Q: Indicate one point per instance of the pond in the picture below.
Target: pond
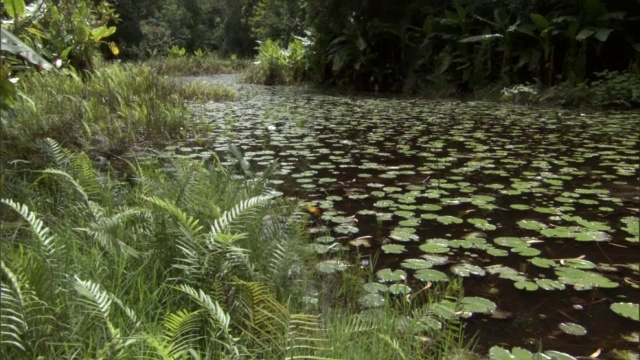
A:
(536, 208)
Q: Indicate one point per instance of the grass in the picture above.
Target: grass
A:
(193, 65)
(166, 258)
(117, 109)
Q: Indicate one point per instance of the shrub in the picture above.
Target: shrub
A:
(276, 65)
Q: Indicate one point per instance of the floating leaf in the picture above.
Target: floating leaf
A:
(331, 266)
(531, 225)
(481, 224)
(498, 353)
(447, 220)
(391, 275)
(416, 264)
(526, 285)
(399, 289)
(478, 304)
(466, 269)
(543, 263)
(374, 287)
(393, 249)
(548, 284)
(573, 329)
(557, 355)
(628, 310)
(372, 300)
(430, 275)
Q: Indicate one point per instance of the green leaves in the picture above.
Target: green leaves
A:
(14, 8)
(628, 310)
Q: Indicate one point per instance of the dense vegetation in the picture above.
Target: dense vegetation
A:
(406, 45)
(113, 249)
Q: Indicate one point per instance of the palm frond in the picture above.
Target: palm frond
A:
(45, 237)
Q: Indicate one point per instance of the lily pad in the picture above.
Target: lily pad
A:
(448, 219)
(331, 266)
(389, 275)
(416, 264)
(372, 300)
(517, 353)
(466, 269)
(393, 249)
(628, 310)
(573, 329)
(531, 225)
(374, 287)
(478, 304)
(399, 289)
(525, 285)
(430, 275)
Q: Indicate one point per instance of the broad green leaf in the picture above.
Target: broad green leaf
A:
(540, 21)
(628, 310)
(15, 8)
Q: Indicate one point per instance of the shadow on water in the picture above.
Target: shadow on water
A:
(538, 192)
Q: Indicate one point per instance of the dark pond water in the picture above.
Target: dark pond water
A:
(536, 208)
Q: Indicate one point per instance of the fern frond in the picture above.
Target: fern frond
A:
(217, 313)
(12, 313)
(76, 186)
(394, 344)
(131, 314)
(24, 318)
(60, 155)
(45, 238)
(86, 175)
(182, 330)
(306, 337)
(105, 228)
(188, 223)
(221, 224)
(95, 299)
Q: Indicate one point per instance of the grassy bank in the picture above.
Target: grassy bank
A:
(114, 110)
(167, 258)
(197, 65)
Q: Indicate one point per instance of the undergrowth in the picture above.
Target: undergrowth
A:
(208, 64)
(167, 258)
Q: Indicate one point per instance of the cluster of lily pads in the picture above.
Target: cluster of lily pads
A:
(545, 201)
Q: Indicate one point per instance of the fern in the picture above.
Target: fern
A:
(221, 224)
(80, 171)
(219, 317)
(12, 312)
(24, 318)
(104, 229)
(188, 223)
(58, 153)
(182, 331)
(76, 186)
(95, 299)
(45, 238)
